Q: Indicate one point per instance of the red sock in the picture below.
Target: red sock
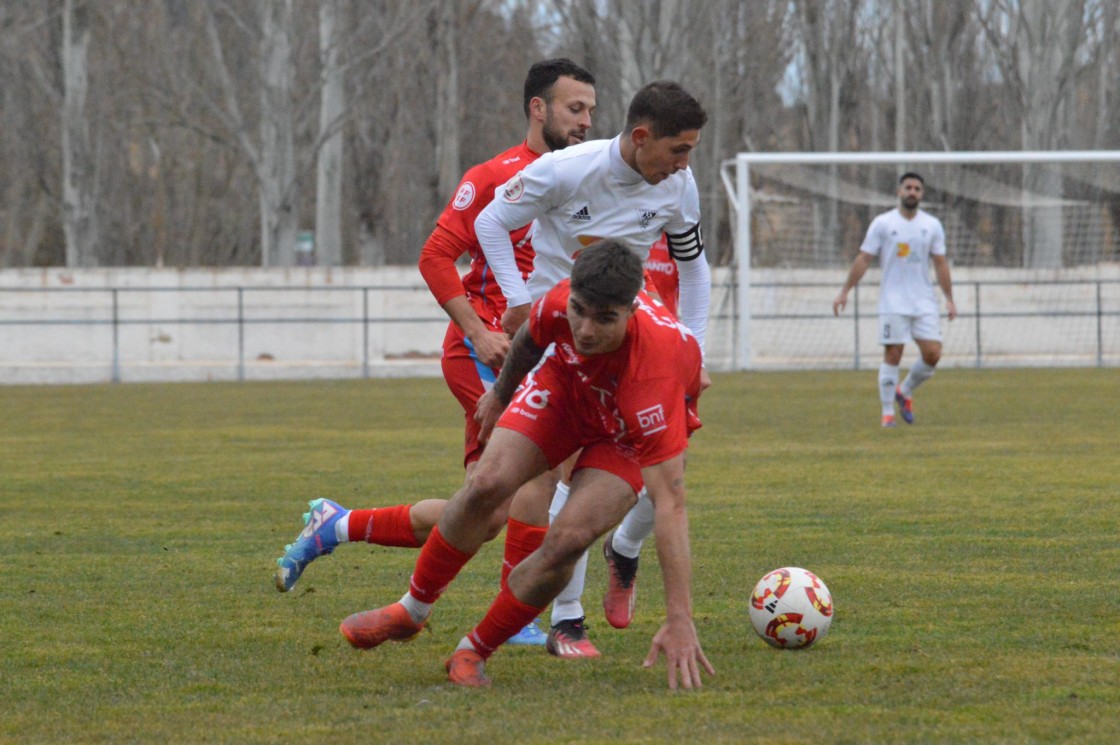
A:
(522, 539)
(385, 526)
(506, 617)
(439, 562)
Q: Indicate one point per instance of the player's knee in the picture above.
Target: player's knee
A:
(486, 491)
(564, 545)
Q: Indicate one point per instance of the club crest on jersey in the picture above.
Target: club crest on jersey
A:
(582, 214)
(514, 189)
(464, 196)
(644, 217)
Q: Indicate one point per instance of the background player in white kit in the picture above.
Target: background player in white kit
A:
(906, 240)
(630, 189)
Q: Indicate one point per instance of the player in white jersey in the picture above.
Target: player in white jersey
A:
(906, 240)
(630, 189)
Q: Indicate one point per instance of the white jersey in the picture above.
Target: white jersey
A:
(904, 248)
(584, 193)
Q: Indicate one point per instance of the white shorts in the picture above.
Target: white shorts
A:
(899, 329)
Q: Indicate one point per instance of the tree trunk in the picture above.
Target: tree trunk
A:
(899, 79)
(277, 152)
(328, 192)
(447, 102)
(1045, 58)
(78, 170)
(1107, 62)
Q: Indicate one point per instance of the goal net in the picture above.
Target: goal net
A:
(1033, 240)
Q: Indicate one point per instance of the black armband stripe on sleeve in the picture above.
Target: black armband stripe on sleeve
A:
(687, 245)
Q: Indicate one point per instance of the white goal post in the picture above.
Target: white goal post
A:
(1009, 216)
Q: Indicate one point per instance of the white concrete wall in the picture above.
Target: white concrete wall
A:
(1025, 319)
(56, 325)
(72, 337)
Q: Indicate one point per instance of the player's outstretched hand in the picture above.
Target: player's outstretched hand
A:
(491, 348)
(683, 654)
(486, 413)
(839, 303)
(514, 317)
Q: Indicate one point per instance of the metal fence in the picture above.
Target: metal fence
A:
(1000, 323)
(349, 329)
(53, 334)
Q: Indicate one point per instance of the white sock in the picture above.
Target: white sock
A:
(567, 604)
(342, 528)
(466, 643)
(559, 499)
(888, 381)
(635, 527)
(417, 609)
(919, 373)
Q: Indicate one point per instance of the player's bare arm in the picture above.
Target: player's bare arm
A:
(489, 346)
(677, 637)
(515, 317)
(945, 281)
(705, 379)
(855, 274)
(523, 356)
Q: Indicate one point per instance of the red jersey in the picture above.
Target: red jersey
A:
(454, 235)
(637, 394)
(661, 267)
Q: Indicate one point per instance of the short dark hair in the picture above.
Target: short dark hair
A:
(607, 274)
(667, 108)
(544, 74)
(911, 174)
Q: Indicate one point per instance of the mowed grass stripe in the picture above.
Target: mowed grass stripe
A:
(972, 557)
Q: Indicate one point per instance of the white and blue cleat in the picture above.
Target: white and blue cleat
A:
(317, 539)
(530, 636)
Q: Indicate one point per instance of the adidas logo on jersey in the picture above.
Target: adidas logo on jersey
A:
(644, 216)
(582, 215)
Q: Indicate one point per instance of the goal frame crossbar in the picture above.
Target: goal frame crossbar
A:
(735, 174)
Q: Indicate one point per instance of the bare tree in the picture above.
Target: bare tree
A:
(185, 133)
(1106, 27)
(1036, 44)
(30, 135)
(444, 32)
(328, 191)
(831, 53)
(79, 168)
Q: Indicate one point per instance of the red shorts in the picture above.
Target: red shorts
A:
(560, 422)
(468, 379)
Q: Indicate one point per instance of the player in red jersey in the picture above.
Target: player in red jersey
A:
(621, 548)
(613, 388)
(661, 267)
(559, 97)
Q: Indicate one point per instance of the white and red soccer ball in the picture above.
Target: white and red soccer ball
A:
(791, 608)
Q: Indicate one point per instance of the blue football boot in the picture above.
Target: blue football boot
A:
(531, 635)
(317, 539)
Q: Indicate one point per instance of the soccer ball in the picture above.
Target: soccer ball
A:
(791, 608)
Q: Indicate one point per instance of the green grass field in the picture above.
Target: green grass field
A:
(974, 560)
